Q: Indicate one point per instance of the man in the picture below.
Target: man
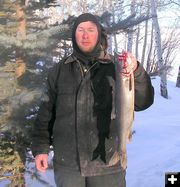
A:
(84, 135)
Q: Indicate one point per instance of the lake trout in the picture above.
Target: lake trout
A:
(124, 106)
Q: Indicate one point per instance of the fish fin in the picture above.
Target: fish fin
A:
(122, 157)
(130, 134)
(114, 159)
(123, 160)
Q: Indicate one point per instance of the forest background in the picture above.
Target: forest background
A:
(36, 34)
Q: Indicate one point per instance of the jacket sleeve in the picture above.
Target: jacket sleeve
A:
(144, 91)
(40, 136)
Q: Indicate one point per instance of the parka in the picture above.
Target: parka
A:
(79, 97)
(75, 132)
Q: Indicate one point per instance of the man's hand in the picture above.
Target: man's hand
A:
(133, 61)
(41, 162)
(129, 63)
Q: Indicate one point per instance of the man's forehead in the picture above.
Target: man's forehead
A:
(87, 23)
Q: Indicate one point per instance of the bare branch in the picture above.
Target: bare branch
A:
(178, 4)
(130, 21)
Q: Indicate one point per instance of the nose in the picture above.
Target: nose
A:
(85, 34)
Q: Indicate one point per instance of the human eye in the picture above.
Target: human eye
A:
(79, 29)
(91, 29)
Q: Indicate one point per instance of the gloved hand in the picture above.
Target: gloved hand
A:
(129, 63)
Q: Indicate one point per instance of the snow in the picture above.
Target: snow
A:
(154, 149)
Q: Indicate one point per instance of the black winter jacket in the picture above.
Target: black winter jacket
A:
(75, 128)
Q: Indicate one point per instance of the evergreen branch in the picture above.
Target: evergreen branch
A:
(12, 177)
(35, 40)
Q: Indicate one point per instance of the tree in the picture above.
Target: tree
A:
(21, 34)
(17, 99)
(163, 75)
(150, 65)
(178, 79)
(145, 35)
(130, 32)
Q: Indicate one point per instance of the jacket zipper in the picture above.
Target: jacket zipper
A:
(83, 71)
(76, 135)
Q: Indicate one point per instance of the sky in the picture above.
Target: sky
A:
(155, 146)
(169, 16)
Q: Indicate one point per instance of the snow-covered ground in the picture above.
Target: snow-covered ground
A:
(154, 149)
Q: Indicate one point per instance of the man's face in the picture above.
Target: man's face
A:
(86, 36)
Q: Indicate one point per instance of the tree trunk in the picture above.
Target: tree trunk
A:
(138, 35)
(137, 42)
(130, 33)
(21, 33)
(110, 42)
(145, 38)
(149, 60)
(163, 75)
(178, 79)
(114, 35)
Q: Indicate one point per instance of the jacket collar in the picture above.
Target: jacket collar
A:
(70, 59)
(104, 59)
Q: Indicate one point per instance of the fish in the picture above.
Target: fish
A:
(124, 107)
